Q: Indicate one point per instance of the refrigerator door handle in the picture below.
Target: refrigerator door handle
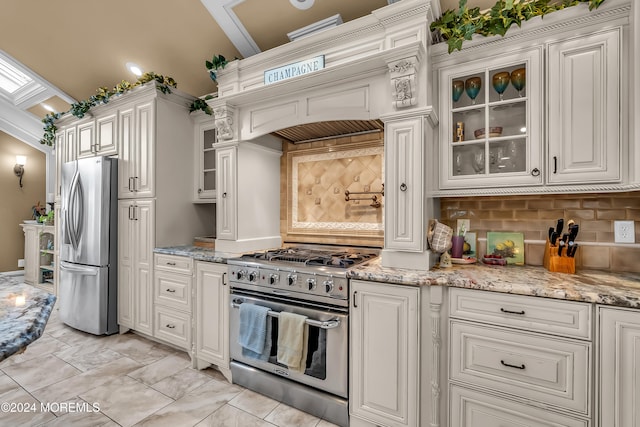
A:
(87, 271)
(80, 220)
(70, 220)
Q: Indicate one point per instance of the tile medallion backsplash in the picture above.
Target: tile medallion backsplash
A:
(317, 176)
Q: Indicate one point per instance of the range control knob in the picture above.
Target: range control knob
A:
(328, 285)
(292, 278)
(241, 274)
(253, 276)
(274, 278)
(311, 283)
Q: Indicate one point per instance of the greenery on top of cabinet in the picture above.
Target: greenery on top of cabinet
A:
(456, 26)
(102, 96)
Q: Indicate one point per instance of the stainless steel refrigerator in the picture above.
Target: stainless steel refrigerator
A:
(87, 284)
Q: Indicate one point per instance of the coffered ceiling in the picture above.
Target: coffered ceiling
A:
(68, 48)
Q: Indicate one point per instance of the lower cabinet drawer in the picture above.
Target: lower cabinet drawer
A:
(173, 326)
(552, 371)
(469, 408)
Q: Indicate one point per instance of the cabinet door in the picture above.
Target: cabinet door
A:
(126, 251)
(107, 141)
(31, 258)
(206, 163)
(212, 314)
(584, 109)
(619, 334)
(226, 210)
(491, 125)
(126, 154)
(86, 139)
(404, 157)
(384, 354)
(144, 160)
(143, 233)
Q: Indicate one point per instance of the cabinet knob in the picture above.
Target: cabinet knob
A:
(199, 190)
(535, 172)
(403, 187)
(224, 195)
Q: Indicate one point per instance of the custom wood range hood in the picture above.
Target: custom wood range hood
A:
(368, 75)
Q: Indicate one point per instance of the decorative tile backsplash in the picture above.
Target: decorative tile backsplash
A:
(533, 215)
(317, 175)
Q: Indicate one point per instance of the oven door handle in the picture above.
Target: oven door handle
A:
(322, 324)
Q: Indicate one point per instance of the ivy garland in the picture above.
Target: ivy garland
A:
(456, 26)
(102, 96)
(201, 104)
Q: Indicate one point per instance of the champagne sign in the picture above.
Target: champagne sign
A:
(296, 69)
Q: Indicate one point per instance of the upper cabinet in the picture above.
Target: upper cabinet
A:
(539, 110)
(584, 109)
(491, 127)
(205, 158)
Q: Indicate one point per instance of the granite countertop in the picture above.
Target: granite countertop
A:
(24, 312)
(197, 253)
(602, 287)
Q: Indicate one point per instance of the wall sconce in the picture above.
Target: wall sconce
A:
(18, 169)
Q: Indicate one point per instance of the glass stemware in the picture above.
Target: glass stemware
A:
(478, 162)
(518, 79)
(457, 87)
(472, 85)
(500, 82)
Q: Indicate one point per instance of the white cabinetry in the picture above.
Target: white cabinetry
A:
(619, 370)
(212, 317)
(247, 184)
(226, 206)
(137, 145)
(173, 282)
(407, 141)
(584, 108)
(566, 130)
(520, 352)
(39, 256)
(136, 240)
(384, 354)
(85, 131)
(503, 95)
(205, 158)
(98, 137)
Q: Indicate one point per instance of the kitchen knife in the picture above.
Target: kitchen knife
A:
(571, 251)
(551, 233)
(573, 232)
(559, 226)
(562, 243)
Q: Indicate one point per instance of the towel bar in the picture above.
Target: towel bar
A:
(322, 324)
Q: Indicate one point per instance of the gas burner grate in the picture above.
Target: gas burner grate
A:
(312, 257)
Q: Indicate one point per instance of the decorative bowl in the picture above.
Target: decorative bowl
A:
(493, 132)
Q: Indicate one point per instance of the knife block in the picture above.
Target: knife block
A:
(555, 263)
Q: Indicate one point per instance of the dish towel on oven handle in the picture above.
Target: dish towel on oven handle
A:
(292, 340)
(253, 330)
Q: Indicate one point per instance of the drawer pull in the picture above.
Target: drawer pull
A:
(171, 290)
(521, 313)
(170, 326)
(512, 366)
(171, 263)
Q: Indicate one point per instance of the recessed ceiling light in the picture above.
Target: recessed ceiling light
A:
(302, 4)
(47, 107)
(134, 68)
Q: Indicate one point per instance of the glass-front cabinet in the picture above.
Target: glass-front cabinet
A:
(491, 129)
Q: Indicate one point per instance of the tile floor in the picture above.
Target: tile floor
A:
(70, 378)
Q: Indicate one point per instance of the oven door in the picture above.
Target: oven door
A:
(327, 344)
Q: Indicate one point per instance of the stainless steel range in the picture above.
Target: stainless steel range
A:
(311, 282)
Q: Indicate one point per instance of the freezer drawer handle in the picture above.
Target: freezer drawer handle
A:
(508, 365)
(322, 324)
(76, 269)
